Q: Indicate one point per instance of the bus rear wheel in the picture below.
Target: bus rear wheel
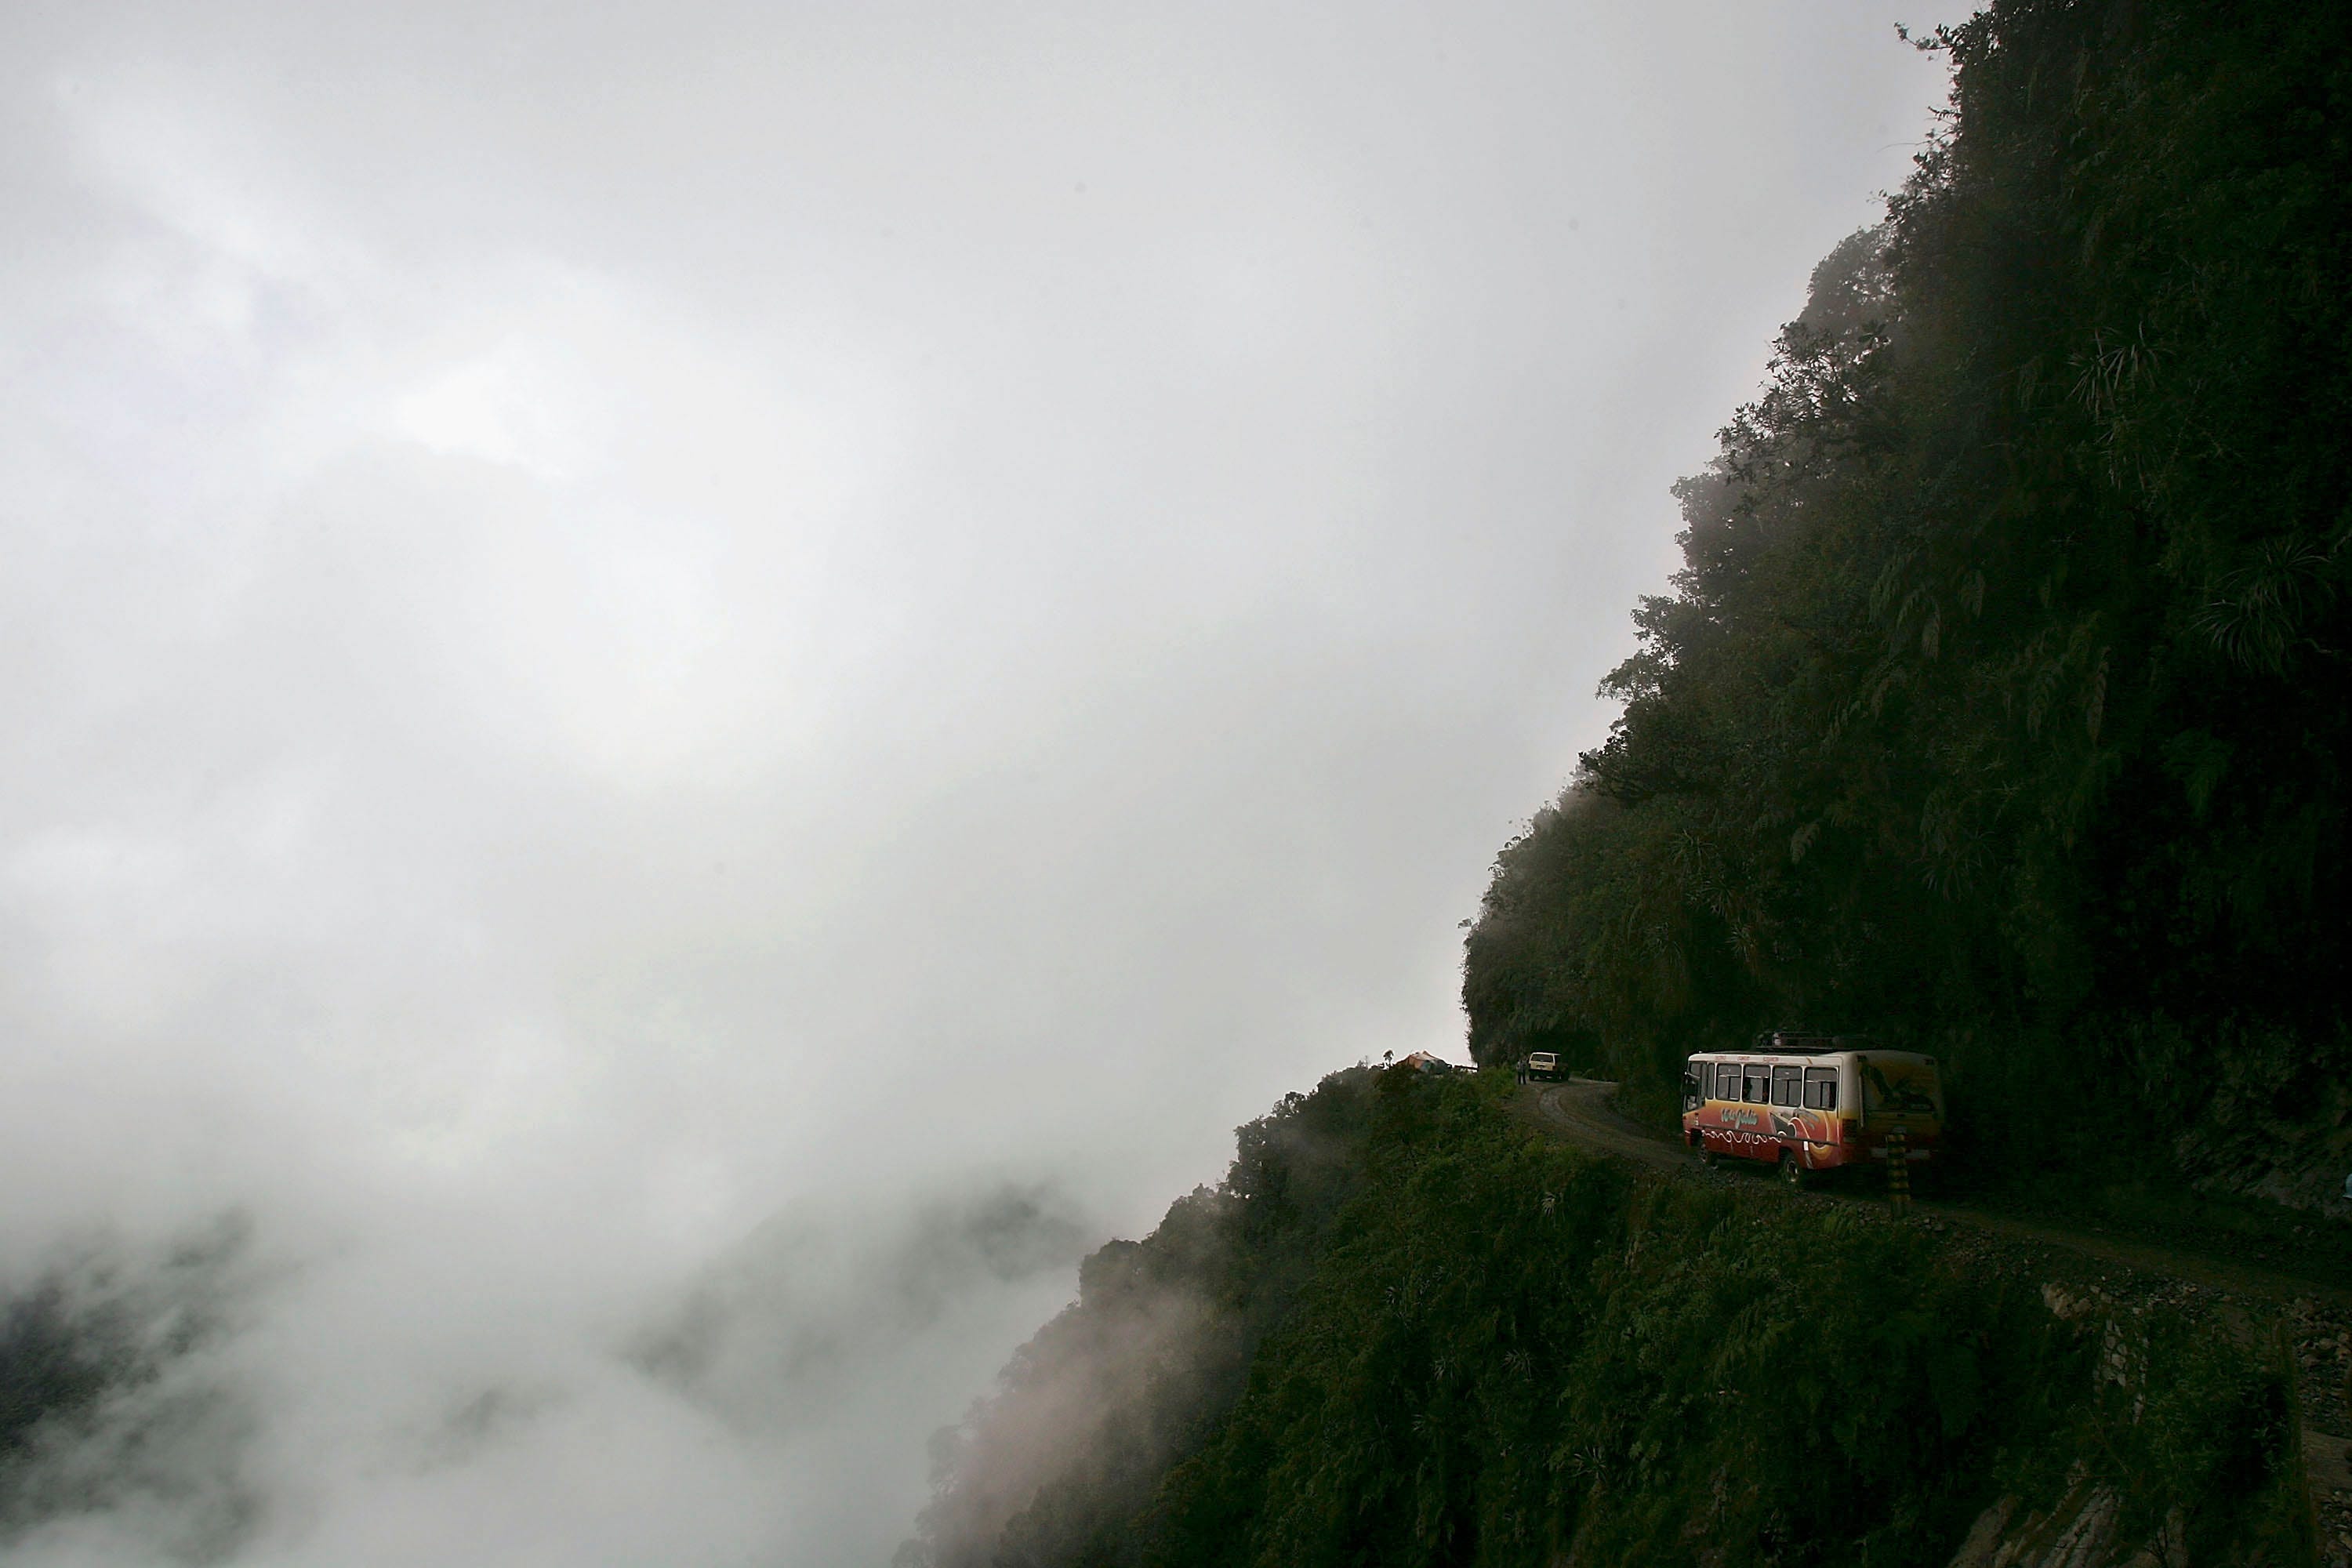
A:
(1791, 1172)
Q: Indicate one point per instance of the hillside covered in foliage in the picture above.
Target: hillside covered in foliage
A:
(1405, 1330)
(1998, 709)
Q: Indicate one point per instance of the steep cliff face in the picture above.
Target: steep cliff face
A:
(1989, 713)
(1131, 1379)
(1472, 1345)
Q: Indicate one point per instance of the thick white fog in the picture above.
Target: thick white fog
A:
(693, 688)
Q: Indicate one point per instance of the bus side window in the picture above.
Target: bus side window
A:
(1787, 1085)
(1820, 1089)
(1759, 1084)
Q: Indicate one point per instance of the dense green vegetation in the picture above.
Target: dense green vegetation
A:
(1991, 710)
(1491, 1348)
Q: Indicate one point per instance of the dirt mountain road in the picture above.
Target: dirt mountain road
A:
(1582, 1111)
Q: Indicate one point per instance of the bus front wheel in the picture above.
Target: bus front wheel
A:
(1706, 1152)
(1791, 1172)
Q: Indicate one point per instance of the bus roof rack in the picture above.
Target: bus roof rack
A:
(1805, 1043)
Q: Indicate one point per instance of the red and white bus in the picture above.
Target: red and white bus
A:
(1811, 1102)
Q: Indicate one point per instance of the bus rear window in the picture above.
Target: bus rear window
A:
(1908, 1088)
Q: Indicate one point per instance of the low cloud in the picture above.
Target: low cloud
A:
(207, 1403)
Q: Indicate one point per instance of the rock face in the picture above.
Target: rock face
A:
(1984, 1536)
(2320, 1345)
(2082, 1528)
(2078, 1532)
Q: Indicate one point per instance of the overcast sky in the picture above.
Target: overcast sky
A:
(631, 627)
